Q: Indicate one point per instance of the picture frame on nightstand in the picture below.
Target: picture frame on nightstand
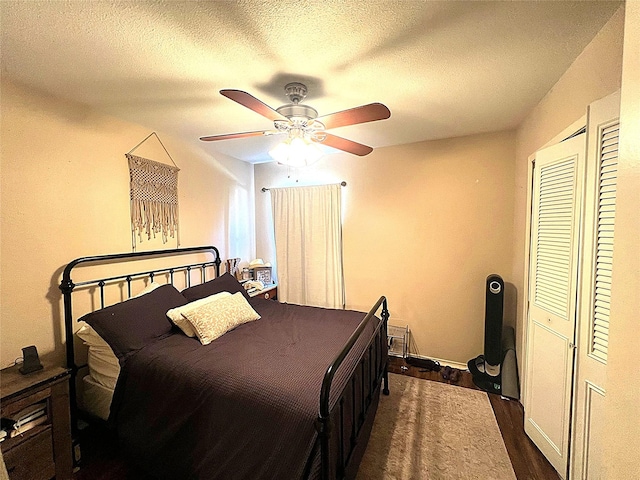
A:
(262, 274)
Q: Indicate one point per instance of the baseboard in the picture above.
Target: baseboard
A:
(444, 363)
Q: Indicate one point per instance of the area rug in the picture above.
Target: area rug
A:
(431, 430)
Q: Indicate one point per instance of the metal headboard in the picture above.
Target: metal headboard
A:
(67, 287)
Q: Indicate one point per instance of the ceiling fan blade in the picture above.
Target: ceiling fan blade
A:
(229, 136)
(346, 145)
(252, 103)
(353, 116)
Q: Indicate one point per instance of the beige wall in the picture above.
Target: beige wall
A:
(622, 426)
(424, 224)
(594, 74)
(65, 194)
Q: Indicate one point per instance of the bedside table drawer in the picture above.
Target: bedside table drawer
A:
(25, 401)
(270, 292)
(33, 459)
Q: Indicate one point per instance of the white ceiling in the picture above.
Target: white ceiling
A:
(444, 68)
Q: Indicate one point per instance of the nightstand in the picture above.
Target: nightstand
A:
(269, 292)
(43, 451)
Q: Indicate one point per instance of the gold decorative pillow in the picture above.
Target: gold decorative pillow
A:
(214, 319)
(180, 320)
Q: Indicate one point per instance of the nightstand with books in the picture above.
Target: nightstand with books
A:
(35, 427)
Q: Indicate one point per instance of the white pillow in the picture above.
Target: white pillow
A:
(177, 315)
(214, 319)
(90, 337)
(104, 367)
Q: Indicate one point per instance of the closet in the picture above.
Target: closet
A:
(571, 251)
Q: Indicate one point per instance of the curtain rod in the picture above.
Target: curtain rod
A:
(343, 183)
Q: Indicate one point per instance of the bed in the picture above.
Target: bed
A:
(287, 391)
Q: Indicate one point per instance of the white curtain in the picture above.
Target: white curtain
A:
(308, 234)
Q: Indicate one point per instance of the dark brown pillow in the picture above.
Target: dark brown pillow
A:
(223, 283)
(130, 325)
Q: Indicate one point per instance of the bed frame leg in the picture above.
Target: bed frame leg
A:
(385, 380)
(385, 374)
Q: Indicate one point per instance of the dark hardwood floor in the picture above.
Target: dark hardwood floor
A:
(103, 459)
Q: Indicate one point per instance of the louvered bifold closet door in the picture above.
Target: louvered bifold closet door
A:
(595, 293)
(553, 272)
(554, 237)
(608, 173)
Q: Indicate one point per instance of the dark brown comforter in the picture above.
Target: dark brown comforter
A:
(242, 407)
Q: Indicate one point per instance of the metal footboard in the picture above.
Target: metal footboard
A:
(371, 368)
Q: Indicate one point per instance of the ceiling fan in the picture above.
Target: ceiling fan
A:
(301, 122)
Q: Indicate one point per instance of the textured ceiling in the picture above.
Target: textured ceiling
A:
(444, 69)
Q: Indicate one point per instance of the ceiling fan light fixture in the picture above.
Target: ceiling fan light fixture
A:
(280, 152)
(297, 148)
(296, 152)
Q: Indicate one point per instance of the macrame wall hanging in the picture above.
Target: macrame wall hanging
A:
(154, 197)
